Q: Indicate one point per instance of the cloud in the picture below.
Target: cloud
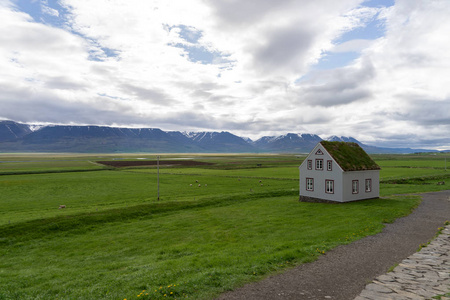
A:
(247, 66)
(64, 83)
(154, 96)
(339, 86)
(284, 48)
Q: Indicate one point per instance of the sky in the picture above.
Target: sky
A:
(375, 70)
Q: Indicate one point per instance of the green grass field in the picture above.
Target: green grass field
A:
(114, 240)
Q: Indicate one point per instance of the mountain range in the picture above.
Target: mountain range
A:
(17, 137)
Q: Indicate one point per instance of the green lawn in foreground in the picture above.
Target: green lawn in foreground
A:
(114, 239)
(203, 251)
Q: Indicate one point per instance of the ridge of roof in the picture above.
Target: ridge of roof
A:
(350, 156)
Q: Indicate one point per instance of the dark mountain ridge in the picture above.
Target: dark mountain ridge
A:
(10, 131)
(16, 137)
(290, 142)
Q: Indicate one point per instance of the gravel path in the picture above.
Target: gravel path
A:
(344, 272)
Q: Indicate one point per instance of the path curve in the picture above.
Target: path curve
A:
(344, 271)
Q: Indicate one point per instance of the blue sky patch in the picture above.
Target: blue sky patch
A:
(378, 3)
(333, 60)
(190, 34)
(48, 12)
(373, 29)
(197, 53)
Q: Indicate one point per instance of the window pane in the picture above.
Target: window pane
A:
(319, 164)
(309, 184)
(329, 186)
(355, 186)
(368, 185)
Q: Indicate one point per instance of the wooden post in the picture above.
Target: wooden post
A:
(157, 165)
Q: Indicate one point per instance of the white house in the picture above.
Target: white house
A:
(338, 171)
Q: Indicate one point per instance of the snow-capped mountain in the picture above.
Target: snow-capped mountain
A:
(10, 130)
(291, 142)
(16, 137)
(219, 141)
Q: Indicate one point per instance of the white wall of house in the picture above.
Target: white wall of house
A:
(349, 194)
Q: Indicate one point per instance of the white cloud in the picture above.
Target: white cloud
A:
(134, 63)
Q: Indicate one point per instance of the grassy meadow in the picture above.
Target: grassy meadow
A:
(114, 240)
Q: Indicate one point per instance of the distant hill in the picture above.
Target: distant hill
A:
(10, 131)
(16, 137)
(290, 142)
(374, 149)
(220, 141)
(101, 139)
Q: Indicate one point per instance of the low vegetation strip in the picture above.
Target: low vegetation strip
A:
(417, 179)
(140, 163)
(28, 172)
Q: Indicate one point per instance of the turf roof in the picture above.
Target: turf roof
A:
(350, 156)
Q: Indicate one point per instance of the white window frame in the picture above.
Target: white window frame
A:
(309, 164)
(355, 186)
(368, 185)
(319, 164)
(329, 165)
(329, 186)
(310, 184)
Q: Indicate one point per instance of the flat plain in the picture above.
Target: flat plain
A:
(215, 227)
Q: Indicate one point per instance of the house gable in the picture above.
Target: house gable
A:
(320, 153)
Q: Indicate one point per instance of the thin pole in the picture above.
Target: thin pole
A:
(157, 164)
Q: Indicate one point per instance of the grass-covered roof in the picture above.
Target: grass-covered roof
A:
(350, 156)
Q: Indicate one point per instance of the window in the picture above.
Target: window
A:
(368, 185)
(319, 164)
(355, 185)
(310, 184)
(329, 186)
(329, 165)
(319, 152)
(309, 164)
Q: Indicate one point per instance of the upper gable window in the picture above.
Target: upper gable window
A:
(309, 164)
(329, 165)
(319, 152)
(319, 164)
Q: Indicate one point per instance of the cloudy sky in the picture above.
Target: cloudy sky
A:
(377, 70)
